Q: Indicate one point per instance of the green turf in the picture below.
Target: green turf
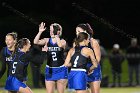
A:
(103, 90)
(107, 70)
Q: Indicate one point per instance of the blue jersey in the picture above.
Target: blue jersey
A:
(55, 54)
(78, 60)
(17, 71)
(55, 60)
(6, 58)
(18, 67)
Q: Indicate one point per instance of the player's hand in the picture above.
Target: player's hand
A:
(42, 27)
(91, 69)
(90, 72)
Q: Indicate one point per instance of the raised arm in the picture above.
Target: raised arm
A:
(42, 28)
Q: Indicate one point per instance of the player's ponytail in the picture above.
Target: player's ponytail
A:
(76, 42)
(20, 44)
(81, 37)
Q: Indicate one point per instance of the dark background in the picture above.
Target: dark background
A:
(123, 14)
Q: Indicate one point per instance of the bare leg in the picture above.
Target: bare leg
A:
(61, 85)
(50, 86)
(81, 91)
(88, 90)
(95, 86)
(25, 90)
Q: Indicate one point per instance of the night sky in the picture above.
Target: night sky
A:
(122, 14)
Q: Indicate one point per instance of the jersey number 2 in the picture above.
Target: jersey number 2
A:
(54, 56)
(14, 67)
(75, 61)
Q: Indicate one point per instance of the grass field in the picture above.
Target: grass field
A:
(103, 90)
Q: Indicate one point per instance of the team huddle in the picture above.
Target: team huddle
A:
(80, 67)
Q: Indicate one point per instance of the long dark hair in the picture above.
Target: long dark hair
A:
(81, 36)
(86, 27)
(20, 44)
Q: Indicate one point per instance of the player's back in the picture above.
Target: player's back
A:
(55, 54)
(78, 59)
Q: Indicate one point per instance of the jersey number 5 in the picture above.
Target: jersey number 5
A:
(54, 56)
(14, 67)
(75, 61)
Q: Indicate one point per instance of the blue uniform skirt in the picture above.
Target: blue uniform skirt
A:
(96, 75)
(77, 79)
(56, 73)
(13, 84)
